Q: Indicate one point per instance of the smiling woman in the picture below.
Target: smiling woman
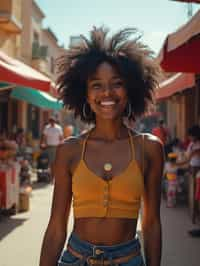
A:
(106, 93)
(111, 168)
(131, 60)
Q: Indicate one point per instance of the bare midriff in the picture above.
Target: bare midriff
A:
(105, 231)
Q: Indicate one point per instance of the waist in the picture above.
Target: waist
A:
(114, 251)
(110, 231)
(52, 146)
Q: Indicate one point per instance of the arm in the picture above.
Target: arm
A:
(195, 153)
(61, 136)
(151, 224)
(43, 141)
(55, 235)
(189, 157)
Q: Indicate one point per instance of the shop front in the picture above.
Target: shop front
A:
(23, 96)
(178, 92)
(180, 53)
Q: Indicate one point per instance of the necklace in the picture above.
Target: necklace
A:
(107, 167)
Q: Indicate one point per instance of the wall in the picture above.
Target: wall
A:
(26, 43)
(9, 43)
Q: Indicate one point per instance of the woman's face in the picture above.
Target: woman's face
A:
(106, 93)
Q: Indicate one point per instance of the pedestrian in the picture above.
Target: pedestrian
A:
(193, 155)
(68, 131)
(111, 168)
(193, 149)
(161, 132)
(52, 136)
(170, 171)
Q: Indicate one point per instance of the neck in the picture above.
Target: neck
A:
(110, 130)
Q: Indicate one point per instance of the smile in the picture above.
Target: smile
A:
(107, 103)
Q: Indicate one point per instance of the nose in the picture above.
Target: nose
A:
(107, 90)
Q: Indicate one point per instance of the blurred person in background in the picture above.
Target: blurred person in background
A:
(193, 149)
(192, 160)
(68, 131)
(193, 154)
(170, 171)
(52, 136)
(161, 132)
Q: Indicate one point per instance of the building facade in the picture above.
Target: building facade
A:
(22, 37)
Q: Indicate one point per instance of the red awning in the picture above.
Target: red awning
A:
(174, 84)
(14, 71)
(188, 1)
(180, 52)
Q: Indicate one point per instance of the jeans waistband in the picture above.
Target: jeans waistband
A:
(114, 251)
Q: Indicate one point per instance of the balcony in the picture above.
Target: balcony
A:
(39, 58)
(10, 16)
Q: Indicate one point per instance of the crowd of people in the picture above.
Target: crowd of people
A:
(182, 158)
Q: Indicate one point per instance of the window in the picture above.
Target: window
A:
(52, 64)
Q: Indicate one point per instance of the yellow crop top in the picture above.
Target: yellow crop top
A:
(119, 197)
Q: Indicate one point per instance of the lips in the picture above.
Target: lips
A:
(107, 102)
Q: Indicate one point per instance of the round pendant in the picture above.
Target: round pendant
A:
(107, 167)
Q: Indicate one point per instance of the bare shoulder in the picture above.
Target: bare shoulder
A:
(71, 145)
(153, 146)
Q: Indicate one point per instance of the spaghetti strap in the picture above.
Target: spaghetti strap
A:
(84, 146)
(132, 145)
(143, 154)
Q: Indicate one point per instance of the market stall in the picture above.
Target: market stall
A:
(9, 176)
(180, 53)
(14, 194)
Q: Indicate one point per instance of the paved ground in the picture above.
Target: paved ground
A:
(21, 235)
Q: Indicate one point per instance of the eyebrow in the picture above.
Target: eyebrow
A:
(98, 79)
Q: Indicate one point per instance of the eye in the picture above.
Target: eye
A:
(96, 86)
(118, 84)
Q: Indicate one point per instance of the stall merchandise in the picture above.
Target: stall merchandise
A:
(9, 185)
(9, 175)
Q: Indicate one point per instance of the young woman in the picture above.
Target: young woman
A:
(110, 169)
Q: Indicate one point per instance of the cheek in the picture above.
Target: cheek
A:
(123, 96)
(91, 94)
(91, 99)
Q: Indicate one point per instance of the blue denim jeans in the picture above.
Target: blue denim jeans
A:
(109, 252)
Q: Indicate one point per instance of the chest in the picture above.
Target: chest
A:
(118, 156)
(97, 154)
(52, 132)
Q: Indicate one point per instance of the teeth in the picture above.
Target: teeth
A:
(107, 103)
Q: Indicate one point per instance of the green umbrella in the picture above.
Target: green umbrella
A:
(37, 98)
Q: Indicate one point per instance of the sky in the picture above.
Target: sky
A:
(154, 19)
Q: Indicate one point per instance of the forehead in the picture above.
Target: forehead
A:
(105, 69)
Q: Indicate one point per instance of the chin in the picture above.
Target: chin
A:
(109, 116)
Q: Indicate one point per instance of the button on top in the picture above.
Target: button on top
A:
(106, 195)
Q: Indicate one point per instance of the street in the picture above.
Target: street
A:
(21, 235)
